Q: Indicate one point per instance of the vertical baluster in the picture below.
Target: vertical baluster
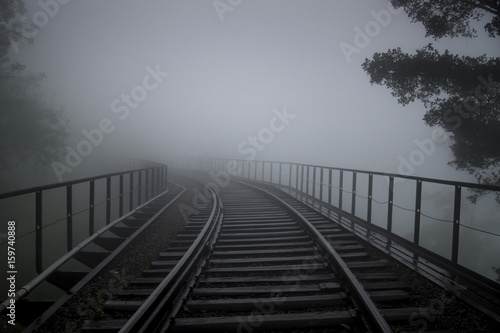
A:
(418, 206)
(314, 183)
(69, 217)
(131, 192)
(108, 200)
(302, 178)
(290, 175)
(353, 203)
(120, 204)
(456, 224)
(330, 184)
(389, 206)
(279, 173)
(166, 178)
(321, 185)
(271, 172)
(91, 206)
(146, 186)
(370, 194)
(139, 188)
(341, 189)
(39, 231)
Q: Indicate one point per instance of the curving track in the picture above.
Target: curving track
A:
(255, 259)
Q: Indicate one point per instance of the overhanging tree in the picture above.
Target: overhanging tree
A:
(32, 133)
(461, 93)
(453, 18)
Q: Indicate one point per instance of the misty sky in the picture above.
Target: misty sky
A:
(226, 76)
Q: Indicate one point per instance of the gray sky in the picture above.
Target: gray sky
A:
(226, 76)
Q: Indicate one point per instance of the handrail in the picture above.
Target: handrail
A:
(26, 289)
(318, 182)
(378, 173)
(70, 182)
(154, 178)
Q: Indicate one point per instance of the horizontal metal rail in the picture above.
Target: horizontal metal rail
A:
(74, 182)
(26, 289)
(315, 180)
(152, 180)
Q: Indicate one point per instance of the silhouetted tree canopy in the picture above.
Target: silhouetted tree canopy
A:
(452, 18)
(31, 132)
(461, 94)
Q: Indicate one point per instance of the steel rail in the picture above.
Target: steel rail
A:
(154, 309)
(373, 311)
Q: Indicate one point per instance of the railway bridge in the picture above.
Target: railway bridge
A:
(247, 246)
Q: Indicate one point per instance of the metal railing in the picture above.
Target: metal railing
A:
(353, 193)
(143, 184)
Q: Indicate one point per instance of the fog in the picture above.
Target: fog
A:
(255, 80)
(220, 73)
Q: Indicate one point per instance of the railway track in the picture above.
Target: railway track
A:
(269, 259)
(258, 260)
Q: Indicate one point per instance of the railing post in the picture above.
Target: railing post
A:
(389, 206)
(279, 174)
(39, 231)
(418, 205)
(120, 210)
(290, 175)
(155, 182)
(131, 191)
(314, 183)
(146, 187)
(69, 217)
(161, 181)
(321, 185)
(302, 178)
(456, 224)
(154, 179)
(91, 206)
(297, 176)
(262, 170)
(353, 203)
(271, 173)
(139, 189)
(370, 194)
(307, 179)
(165, 184)
(341, 185)
(108, 200)
(330, 184)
